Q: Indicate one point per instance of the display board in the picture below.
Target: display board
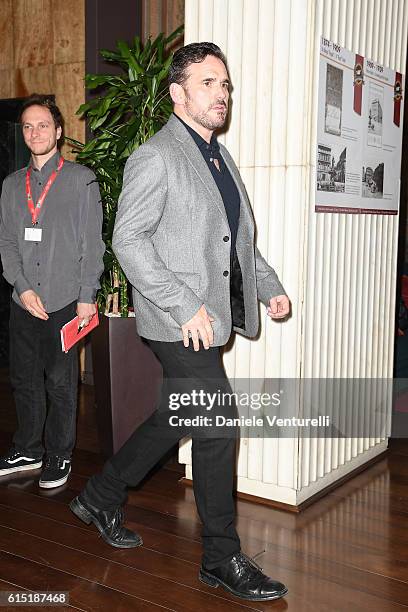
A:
(359, 134)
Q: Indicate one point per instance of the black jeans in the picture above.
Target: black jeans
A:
(39, 370)
(213, 458)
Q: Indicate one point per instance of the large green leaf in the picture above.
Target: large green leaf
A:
(174, 35)
(95, 80)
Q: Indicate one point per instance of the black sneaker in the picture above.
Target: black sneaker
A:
(55, 473)
(15, 461)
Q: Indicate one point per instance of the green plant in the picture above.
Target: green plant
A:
(129, 109)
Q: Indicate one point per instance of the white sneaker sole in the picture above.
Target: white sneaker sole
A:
(52, 484)
(21, 468)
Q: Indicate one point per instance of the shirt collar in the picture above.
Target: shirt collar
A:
(49, 166)
(212, 147)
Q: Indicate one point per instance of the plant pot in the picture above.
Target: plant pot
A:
(127, 379)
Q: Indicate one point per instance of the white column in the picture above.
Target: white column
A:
(272, 47)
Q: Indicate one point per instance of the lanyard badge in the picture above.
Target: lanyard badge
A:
(35, 209)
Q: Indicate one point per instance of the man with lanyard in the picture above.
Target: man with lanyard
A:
(52, 254)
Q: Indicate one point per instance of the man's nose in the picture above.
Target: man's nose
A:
(223, 93)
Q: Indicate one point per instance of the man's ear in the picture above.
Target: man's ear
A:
(59, 132)
(177, 93)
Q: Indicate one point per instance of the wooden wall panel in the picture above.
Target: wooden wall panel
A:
(37, 79)
(42, 50)
(7, 83)
(33, 36)
(70, 93)
(161, 16)
(6, 35)
(174, 15)
(69, 31)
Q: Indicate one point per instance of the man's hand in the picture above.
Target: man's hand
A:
(279, 307)
(33, 304)
(199, 327)
(85, 313)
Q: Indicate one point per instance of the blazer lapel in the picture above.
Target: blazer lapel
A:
(195, 159)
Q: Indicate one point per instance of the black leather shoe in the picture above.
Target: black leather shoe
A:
(108, 522)
(243, 578)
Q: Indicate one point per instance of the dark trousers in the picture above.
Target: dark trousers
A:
(213, 458)
(39, 370)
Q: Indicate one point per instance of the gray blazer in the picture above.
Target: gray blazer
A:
(169, 239)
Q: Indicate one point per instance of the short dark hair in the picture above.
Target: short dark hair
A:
(42, 100)
(193, 53)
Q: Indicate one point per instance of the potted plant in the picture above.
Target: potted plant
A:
(128, 108)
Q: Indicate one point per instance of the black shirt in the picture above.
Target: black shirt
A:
(223, 179)
(230, 196)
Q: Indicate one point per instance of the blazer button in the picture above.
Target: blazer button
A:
(225, 273)
(226, 238)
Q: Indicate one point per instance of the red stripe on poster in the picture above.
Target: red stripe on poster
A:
(397, 98)
(358, 83)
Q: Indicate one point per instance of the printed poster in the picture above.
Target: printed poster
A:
(359, 134)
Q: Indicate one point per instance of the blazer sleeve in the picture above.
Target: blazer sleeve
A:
(267, 281)
(140, 209)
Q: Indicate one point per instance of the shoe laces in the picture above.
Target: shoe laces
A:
(56, 461)
(115, 524)
(248, 563)
(13, 453)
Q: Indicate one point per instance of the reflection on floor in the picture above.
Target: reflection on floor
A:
(346, 553)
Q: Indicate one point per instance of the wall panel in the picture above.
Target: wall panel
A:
(42, 51)
(69, 31)
(39, 79)
(6, 83)
(6, 35)
(69, 90)
(33, 29)
(161, 16)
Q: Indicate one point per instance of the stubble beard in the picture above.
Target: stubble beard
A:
(46, 148)
(203, 118)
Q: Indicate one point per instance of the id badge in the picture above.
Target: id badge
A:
(34, 234)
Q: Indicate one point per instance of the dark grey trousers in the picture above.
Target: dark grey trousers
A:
(44, 381)
(213, 458)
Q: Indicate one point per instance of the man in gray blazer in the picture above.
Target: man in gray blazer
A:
(184, 236)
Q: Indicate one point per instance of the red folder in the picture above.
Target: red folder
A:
(70, 334)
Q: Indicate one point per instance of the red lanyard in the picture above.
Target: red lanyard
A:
(35, 210)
